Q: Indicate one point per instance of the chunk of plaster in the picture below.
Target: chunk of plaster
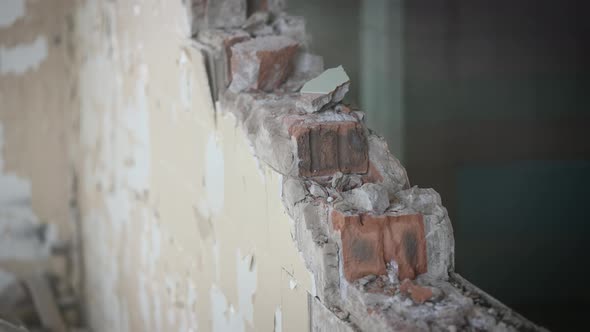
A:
(326, 90)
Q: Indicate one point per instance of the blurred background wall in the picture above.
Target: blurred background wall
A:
(486, 102)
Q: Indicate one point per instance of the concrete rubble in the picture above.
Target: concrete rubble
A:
(381, 252)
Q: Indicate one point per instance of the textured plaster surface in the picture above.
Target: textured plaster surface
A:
(183, 228)
(38, 95)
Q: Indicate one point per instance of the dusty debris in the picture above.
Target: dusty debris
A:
(370, 197)
(418, 293)
(318, 191)
(324, 91)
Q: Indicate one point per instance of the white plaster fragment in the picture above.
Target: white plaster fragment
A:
(10, 11)
(19, 59)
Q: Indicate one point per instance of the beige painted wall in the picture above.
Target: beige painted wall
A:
(183, 229)
(37, 99)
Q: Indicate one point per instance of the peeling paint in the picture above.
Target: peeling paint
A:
(10, 11)
(13, 189)
(246, 269)
(19, 59)
(214, 175)
(224, 316)
(154, 166)
(278, 320)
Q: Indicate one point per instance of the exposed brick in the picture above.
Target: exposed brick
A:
(418, 293)
(217, 45)
(352, 148)
(229, 41)
(326, 147)
(262, 63)
(401, 238)
(362, 248)
(405, 242)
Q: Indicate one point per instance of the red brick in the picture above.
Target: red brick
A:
(325, 148)
(399, 238)
(228, 42)
(262, 63)
(405, 242)
(418, 293)
(352, 148)
(362, 248)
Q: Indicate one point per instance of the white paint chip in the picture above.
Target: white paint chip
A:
(292, 284)
(21, 58)
(10, 11)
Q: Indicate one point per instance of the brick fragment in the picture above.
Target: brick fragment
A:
(405, 242)
(216, 44)
(326, 146)
(401, 238)
(418, 293)
(262, 63)
(362, 248)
